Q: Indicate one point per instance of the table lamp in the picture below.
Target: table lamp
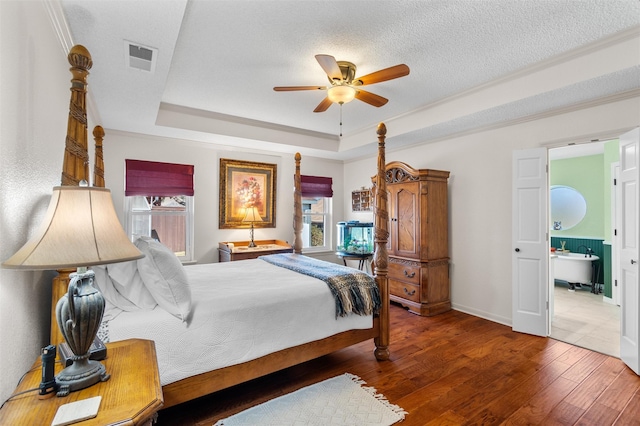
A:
(80, 229)
(252, 215)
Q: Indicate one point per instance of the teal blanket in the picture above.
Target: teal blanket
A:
(354, 291)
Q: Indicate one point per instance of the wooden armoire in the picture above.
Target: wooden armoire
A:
(419, 238)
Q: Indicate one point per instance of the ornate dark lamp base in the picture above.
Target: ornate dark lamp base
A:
(81, 374)
(79, 314)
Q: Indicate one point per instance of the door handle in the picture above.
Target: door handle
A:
(633, 261)
(517, 249)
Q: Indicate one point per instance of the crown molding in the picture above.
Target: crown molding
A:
(63, 33)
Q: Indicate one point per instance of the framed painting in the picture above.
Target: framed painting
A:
(244, 185)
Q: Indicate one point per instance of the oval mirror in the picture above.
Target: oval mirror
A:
(568, 207)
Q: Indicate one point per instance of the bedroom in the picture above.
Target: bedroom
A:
(34, 111)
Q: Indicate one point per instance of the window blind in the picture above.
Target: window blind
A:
(154, 178)
(316, 186)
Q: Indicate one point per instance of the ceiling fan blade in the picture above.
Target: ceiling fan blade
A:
(371, 98)
(323, 106)
(383, 75)
(291, 88)
(330, 66)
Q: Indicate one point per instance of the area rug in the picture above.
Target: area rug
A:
(343, 401)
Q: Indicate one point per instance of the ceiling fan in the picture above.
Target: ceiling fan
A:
(345, 86)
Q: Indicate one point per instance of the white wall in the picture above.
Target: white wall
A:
(34, 103)
(480, 194)
(119, 146)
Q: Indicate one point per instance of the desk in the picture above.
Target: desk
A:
(362, 259)
(240, 250)
(131, 396)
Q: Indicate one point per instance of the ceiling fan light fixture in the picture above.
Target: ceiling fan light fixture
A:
(341, 75)
(341, 94)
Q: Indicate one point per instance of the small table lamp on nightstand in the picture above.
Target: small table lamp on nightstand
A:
(252, 215)
(80, 229)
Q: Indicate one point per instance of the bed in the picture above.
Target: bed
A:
(232, 350)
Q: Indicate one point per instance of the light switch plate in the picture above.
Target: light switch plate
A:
(77, 411)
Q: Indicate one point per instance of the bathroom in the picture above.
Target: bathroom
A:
(581, 176)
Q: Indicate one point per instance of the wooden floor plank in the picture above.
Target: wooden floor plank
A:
(518, 390)
(593, 386)
(537, 408)
(563, 414)
(631, 415)
(456, 369)
(584, 366)
(621, 390)
(599, 414)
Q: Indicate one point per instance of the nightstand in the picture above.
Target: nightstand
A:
(240, 250)
(132, 395)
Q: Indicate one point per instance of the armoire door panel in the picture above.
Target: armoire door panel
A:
(407, 215)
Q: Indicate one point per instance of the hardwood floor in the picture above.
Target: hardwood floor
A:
(456, 369)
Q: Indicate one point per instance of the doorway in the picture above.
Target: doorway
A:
(584, 315)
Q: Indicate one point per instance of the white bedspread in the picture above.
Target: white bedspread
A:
(241, 311)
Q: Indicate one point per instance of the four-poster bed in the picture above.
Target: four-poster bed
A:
(343, 331)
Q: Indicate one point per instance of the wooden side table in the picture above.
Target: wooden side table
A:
(240, 250)
(132, 396)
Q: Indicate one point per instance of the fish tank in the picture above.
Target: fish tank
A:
(355, 237)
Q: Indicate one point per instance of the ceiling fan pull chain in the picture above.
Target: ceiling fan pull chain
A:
(341, 119)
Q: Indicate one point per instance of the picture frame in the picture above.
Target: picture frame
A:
(246, 184)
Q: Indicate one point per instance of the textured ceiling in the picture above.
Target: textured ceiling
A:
(218, 62)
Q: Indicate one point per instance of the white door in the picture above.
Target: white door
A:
(616, 218)
(530, 255)
(629, 248)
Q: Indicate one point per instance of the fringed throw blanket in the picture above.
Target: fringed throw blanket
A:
(354, 291)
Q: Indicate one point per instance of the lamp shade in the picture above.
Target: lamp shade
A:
(80, 229)
(341, 94)
(252, 215)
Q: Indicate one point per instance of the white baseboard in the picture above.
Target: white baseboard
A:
(485, 315)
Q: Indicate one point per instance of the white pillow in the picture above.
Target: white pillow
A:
(127, 280)
(113, 299)
(164, 277)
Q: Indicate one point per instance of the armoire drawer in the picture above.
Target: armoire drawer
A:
(408, 273)
(405, 290)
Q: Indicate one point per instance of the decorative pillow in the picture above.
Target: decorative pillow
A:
(164, 277)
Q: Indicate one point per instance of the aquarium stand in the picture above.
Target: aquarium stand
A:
(362, 258)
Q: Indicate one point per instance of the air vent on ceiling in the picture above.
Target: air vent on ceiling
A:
(140, 57)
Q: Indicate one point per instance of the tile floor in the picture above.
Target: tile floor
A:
(583, 319)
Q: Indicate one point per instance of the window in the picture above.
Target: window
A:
(316, 218)
(159, 204)
(316, 213)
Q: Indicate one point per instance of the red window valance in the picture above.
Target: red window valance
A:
(153, 178)
(316, 186)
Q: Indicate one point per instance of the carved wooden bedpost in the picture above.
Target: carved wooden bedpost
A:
(380, 255)
(75, 166)
(297, 208)
(98, 166)
(76, 158)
